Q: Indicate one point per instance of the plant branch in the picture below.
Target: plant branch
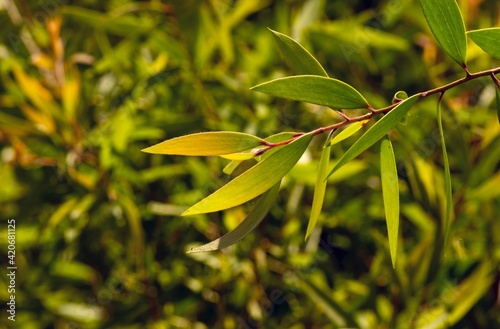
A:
(373, 112)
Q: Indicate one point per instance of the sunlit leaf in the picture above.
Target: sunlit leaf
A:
(250, 222)
(488, 40)
(297, 57)
(377, 131)
(390, 193)
(315, 89)
(447, 25)
(207, 143)
(319, 189)
(348, 132)
(239, 156)
(254, 181)
(447, 176)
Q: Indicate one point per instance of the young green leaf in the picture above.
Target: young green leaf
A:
(250, 222)
(447, 25)
(297, 57)
(206, 144)
(399, 96)
(377, 131)
(254, 181)
(447, 176)
(390, 193)
(319, 189)
(488, 40)
(348, 132)
(238, 158)
(315, 89)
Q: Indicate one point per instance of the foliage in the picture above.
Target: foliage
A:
(87, 85)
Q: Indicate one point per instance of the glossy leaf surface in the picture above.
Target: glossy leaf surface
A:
(206, 144)
(315, 89)
(248, 224)
(254, 181)
(390, 192)
(447, 26)
(319, 190)
(488, 40)
(297, 57)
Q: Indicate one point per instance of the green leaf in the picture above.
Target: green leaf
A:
(297, 57)
(348, 132)
(254, 181)
(447, 176)
(488, 40)
(206, 144)
(399, 96)
(447, 25)
(319, 189)
(377, 131)
(390, 193)
(315, 89)
(250, 222)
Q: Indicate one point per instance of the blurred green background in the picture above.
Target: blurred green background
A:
(86, 84)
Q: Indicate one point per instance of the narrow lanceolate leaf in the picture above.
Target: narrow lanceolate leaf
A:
(297, 57)
(447, 25)
(319, 189)
(254, 181)
(206, 144)
(377, 131)
(390, 193)
(250, 222)
(315, 89)
(447, 176)
(488, 40)
(348, 132)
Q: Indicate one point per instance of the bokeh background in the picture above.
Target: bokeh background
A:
(86, 84)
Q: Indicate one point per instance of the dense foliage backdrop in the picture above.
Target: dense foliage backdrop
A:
(86, 84)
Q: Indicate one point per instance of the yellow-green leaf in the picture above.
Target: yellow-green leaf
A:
(488, 40)
(319, 189)
(348, 132)
(206, 144)
(297, 57)
(447, 26)
(377, 131)
(390, 193)
(254, 181)
(250, 222)
(315, 89)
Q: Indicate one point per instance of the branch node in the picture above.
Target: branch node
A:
(343, 115)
